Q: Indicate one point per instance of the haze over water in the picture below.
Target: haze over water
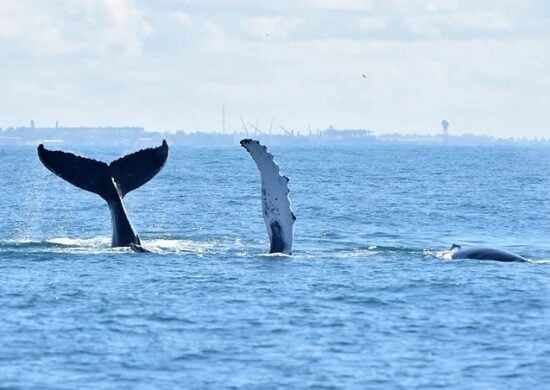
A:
(363, 302)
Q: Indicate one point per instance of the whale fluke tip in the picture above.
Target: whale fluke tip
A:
(247, 141)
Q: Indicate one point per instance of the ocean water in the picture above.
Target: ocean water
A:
(365, 301)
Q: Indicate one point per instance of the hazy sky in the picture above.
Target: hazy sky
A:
(169, 64)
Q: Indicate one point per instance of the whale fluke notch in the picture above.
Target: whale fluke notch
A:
(110, 181)
(278, 216)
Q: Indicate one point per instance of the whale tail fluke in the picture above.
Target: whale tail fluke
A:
(278, 216)
(110, 181)
(126, 173)
(86, 173)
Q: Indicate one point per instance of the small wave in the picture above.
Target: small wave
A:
(274, 255)
(100, 245)
(58, 245)
(81, 242)
(539, 261)
(177, 246)
(443, 255)
(353, 253)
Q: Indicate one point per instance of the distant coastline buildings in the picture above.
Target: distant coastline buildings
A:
(139, 137)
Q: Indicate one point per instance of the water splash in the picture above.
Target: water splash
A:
(178, 246)
(443, 255)
(101, 245)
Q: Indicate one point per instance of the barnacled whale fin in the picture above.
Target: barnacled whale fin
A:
(86, 173)
(136, 169)
(278, 216)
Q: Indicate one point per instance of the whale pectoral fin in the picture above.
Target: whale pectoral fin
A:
(278, 216)
(136, 169)
(88, 174)
(455, 248)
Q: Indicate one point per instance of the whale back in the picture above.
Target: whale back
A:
(485, 254)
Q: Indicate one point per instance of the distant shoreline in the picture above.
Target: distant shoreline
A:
(328, 137)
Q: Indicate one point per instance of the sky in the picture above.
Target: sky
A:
(385, 65)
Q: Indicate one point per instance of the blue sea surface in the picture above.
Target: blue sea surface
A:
(365, 301)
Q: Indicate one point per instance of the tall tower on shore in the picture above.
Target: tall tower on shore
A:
(445, 127)
(223, 119)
